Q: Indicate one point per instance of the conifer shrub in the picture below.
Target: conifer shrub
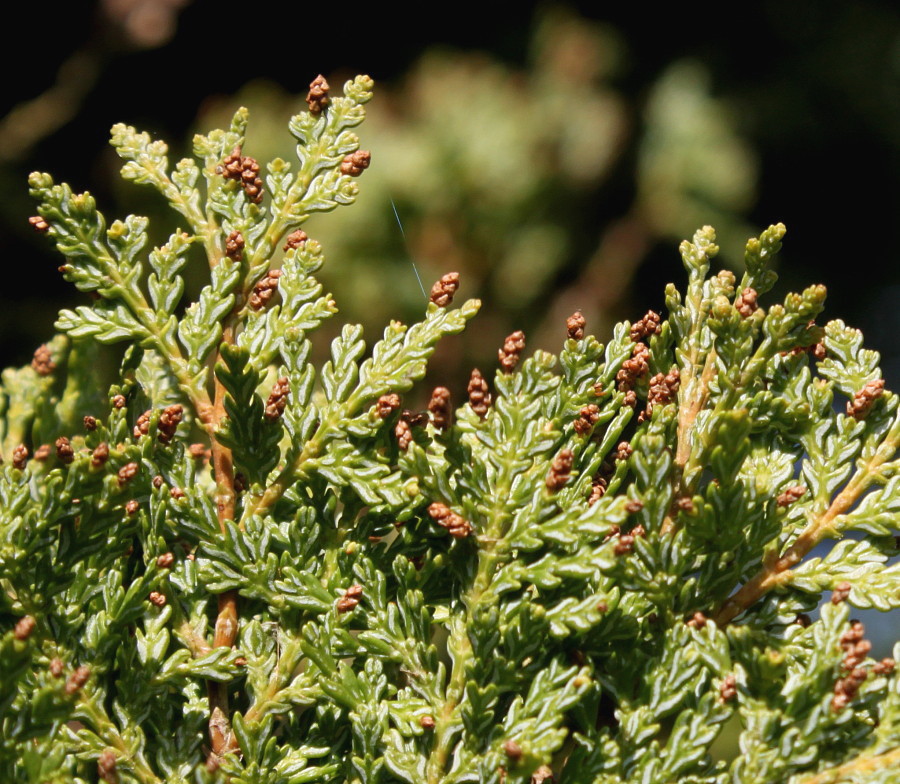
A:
(241, 564)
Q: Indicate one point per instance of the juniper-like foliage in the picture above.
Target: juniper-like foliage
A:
(243, 566)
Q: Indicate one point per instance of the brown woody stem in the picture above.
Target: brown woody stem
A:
(776, 571)
(227, 619)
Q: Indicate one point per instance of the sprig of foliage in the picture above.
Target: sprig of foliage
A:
(248, 566)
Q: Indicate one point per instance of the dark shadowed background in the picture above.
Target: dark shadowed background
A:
(554, 155)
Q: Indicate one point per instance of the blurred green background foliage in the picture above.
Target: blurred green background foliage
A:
(553, 155)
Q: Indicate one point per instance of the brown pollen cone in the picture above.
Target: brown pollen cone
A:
(295, 239)
(643, 328)
(560, 470)
(20, 456)
(403, 433)
(479, 395)
(443, 290)
(356, 163)
(350, 598)
(440, 408)
(234, 246)
(445, 517)
(277, 400)
(264, 289)
(575, 325)
(863, 400)
(387, 405)
(791, 495)
(39, 224)
(746, 302)
(42, 361)
(512, 349)
(64, 452)
(317, 97)
(587, 418)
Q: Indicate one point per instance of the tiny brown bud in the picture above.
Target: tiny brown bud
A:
(20, 456)
(513, 750)
(42, 362)
(884, 667)
(240, 661)
(442, 292)
(560, 470)
(42, 453)
(295, 239)
(587, 418)
(440, 408)
(803, 620)
(746, 302)
(157, 599)
(426, 722)
(234, 246)
(602, 606)
(643, 328)
(575, 325)
(131, 507)
(841, 592)
(445, 517)
(350, 598)
(403, 433)
(790, 495)
(240, 482)
(317, 97)
(598, 490)
(387, 405)
(728, 689)
(56, 668)
(158, 481)
(479, 395)
(100, 455)
(39, 224)
(624, 545)
(863, 400)
(64, 452)
(106, 767)
(698, 620)
(127, 472)
(118, 401)
(165, 561)
(90, 423)
(633, 506)
(685, 504)
(77, 679)
(512, 349)
(169, 419)
(264, 289)
(24, 627)
(819, 352)
(356, 163)
(624, 450)
(177, 493)
(277, 400)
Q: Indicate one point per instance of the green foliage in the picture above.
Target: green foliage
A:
(247, 565)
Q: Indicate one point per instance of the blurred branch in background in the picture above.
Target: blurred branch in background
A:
(515, 178)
